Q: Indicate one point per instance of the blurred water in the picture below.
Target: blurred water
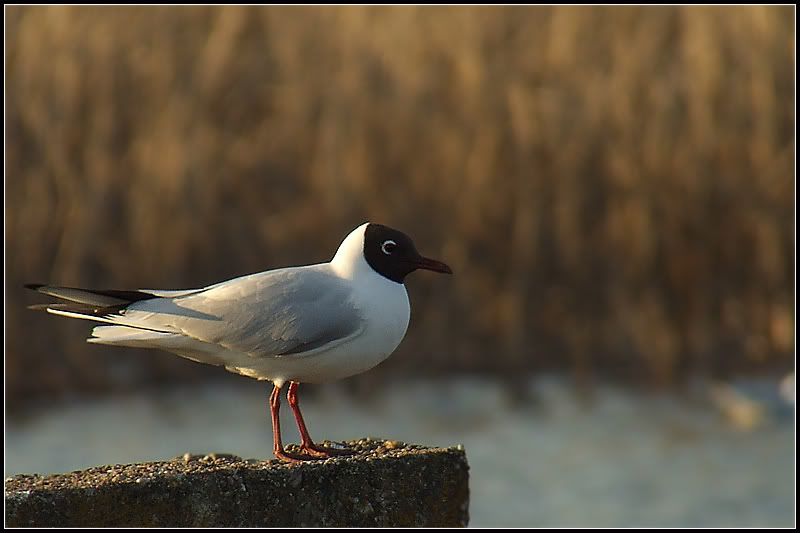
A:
(620, 459)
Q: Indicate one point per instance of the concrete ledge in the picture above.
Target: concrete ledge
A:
(386, 483)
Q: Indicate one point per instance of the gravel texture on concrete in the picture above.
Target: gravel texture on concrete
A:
(383, 483)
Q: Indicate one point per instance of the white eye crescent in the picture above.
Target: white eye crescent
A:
(388, 247)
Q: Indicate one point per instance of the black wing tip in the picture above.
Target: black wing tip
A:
(128, 296)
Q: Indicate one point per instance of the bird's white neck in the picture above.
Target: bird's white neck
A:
(349, 260)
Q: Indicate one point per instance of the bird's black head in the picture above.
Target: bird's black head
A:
(392, 254)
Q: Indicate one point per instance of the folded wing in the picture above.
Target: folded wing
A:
(279, 313)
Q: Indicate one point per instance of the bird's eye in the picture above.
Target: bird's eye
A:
(388, 247)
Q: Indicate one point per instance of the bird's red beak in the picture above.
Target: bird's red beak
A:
(432, 264)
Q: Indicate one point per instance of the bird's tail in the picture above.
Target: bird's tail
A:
(124, 324)
(87, 304)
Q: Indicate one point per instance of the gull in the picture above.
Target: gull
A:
(306, 324)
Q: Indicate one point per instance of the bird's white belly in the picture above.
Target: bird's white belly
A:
(386, 311)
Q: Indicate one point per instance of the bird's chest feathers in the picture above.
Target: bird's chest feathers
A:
(385, 310)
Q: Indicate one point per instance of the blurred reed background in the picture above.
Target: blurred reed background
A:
(612, 186)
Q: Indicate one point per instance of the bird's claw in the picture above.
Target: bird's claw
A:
(288, 457)
(323, 452)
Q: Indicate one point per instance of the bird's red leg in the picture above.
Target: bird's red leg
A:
(275, 409)
(306, 444)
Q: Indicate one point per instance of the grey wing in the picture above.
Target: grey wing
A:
(287, 312)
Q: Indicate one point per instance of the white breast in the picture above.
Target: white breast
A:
(386, 312)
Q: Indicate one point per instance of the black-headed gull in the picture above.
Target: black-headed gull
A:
(310, 324)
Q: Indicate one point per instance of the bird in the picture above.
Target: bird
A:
(306, 324)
